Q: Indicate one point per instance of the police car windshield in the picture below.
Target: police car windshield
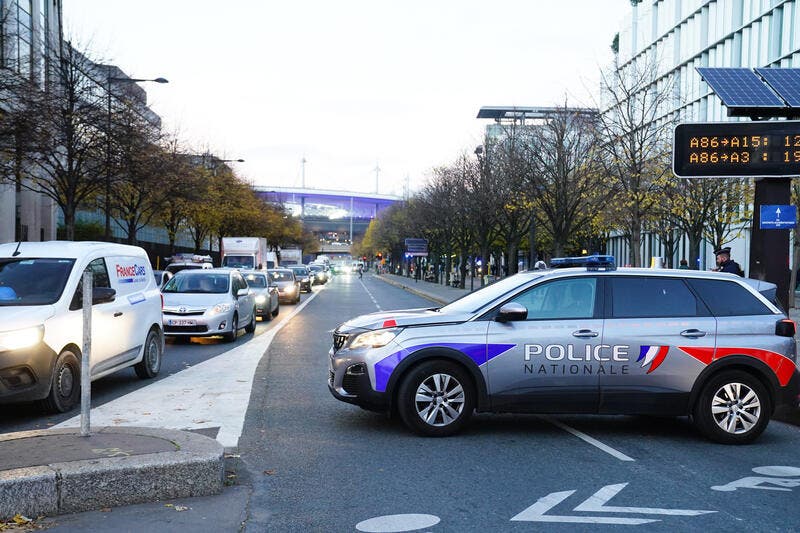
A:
(473, 301)
(33, 281)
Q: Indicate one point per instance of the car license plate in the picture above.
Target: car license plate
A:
(182, 323)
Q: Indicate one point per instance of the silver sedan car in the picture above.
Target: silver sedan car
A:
(265, 292)
(207, 302)
(288, 285)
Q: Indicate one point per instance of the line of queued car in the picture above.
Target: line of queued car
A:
(133, 309)
(220, 301)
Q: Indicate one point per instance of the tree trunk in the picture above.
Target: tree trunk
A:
(69, 222)
(512, 250)
(636, 246)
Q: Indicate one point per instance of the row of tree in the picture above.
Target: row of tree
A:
(67, 141)
(576, 176)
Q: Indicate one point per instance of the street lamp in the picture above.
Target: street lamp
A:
(216, 161)
(110, 80)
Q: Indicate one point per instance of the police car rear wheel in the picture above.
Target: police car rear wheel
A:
(436, 399)
(65, 386)
(733, 408)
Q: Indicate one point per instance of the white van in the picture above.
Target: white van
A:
(41, 318)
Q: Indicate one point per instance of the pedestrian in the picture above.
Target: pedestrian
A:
(725, 263)
(684, 265)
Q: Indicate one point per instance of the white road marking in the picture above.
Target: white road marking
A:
(214, 393)
(583, 436)
(784, 484)
(596, 503)
(397, 523)
(536, 513)
(370, 295)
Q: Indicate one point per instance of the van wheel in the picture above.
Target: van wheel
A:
(436, 399)
(231, 335)
(150, 364)
(733, 408)
(277, 310)
(65, 384)
(251, 327)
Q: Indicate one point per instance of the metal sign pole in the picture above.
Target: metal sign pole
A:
(86, 382)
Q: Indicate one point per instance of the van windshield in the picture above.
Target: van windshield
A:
(239, 261)
(33, 281)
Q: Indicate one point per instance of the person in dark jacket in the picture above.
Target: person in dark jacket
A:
(725, 263)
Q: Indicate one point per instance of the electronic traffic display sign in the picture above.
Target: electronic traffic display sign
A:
(737, 149)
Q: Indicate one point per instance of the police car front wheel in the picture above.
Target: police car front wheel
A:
(436, 398)
(733, 408)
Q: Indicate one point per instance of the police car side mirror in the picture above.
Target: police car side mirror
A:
(512, 312)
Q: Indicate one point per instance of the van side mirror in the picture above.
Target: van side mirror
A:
(512, 312)
(101, 295)
(242, 292)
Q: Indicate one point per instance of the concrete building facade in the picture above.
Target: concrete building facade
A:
(30, 38)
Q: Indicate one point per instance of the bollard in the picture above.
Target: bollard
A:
(86, 380)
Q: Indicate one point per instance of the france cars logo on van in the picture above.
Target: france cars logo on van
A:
(131, 273)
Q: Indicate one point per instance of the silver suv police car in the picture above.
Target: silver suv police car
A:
(579, 340)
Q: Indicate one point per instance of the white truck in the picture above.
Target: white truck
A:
(244, 252)
(291, 256)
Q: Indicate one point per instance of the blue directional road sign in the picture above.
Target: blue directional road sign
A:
(778, 216)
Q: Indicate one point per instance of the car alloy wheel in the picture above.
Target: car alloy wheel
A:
(436, 398)
(439, 400)
(736, 408)
(732, 408)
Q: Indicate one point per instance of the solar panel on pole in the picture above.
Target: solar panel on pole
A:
(785, 82)
(740, 87)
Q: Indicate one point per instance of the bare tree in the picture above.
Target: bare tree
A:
(635, 136)
(565, 179)
(68, 137)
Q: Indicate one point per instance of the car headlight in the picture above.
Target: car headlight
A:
(21, 338)
(220, 308)
(375, 339)
(260, 299)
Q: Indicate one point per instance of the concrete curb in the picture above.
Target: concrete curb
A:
(194, 468)
(423, 294)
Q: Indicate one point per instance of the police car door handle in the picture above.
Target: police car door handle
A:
(693, 333)
(585, 333)
(118, 313)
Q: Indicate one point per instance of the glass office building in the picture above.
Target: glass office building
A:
(674, 38)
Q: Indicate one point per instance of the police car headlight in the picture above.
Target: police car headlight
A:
(21, 338)
(260, 299)
(375, 339)
(219, 309)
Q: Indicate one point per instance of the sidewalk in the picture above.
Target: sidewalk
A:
(56, 471)
(443, 294)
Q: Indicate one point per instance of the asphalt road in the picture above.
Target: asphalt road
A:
(308, 462)
(178, 355)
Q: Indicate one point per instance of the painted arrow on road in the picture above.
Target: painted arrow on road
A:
(596, 503)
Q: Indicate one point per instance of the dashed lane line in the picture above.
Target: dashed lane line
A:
(214, 393)
(370, 295)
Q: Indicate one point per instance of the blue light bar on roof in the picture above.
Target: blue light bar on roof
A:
(591, 262)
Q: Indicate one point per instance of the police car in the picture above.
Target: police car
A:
(591, 339)
(41, 318)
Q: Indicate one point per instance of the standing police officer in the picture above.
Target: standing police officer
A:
(725, 263)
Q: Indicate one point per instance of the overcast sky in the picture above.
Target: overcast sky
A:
(347, 84)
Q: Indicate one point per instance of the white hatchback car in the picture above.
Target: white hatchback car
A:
(41, 318)
(206, 302)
